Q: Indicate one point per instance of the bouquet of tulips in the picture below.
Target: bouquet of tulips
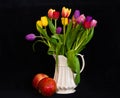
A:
(68, 38)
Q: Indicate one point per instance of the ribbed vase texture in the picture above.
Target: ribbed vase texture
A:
(64, 77)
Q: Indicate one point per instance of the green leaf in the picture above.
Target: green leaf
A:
(60, 47)
(68, 30)
(56, 44)
(69, 27)
(51, 26)
(78, 38)
(51, 51)
(73, 61)
(52, 48)
(72, 37)
(86, 37)
(77, 79)
(58, 37)
(90, 35)
(42, 31)
(74, 64)
(53, 41)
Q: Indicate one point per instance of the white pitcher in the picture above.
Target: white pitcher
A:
(64, 76)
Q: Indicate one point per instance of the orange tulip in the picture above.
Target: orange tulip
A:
(65, 12)
(50, 13)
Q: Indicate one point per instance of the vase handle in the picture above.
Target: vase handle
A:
(83, 62)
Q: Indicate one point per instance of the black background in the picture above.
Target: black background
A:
(18, 62)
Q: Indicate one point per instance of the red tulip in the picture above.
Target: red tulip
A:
(56, 15)
(87, 24)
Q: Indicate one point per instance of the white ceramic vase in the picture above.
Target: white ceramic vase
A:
(64, 76)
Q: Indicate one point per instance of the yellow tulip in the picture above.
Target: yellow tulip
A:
(39, 23)
(44, 21)
(64, 21)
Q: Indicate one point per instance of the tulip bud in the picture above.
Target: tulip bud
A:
(56, 15)
(88, 18)
(93, 23)
(50, 13)
(58, 30)
(39, 23)
(65, 12)
(87, 24)
(80, 19)
(73, 19)
(30, 37)
(44, 21)
(76, 13)
(64, 21)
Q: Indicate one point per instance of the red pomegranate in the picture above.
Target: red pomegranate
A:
(47, 86)
(37, 78)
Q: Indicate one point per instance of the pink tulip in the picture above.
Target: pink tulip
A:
(80, 19)
(93, 23)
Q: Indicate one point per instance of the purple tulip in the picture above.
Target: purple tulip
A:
(58, 30)
(88, 18)
(76, 13)
(30, 37)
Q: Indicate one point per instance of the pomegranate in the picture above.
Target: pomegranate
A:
(37, 78)
(47, 86)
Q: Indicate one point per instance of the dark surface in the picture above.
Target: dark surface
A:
(18, 63)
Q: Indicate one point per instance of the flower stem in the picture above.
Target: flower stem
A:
(64, 38)
(55, 23)
(64, 33)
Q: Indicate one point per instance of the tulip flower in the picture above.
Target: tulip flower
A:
(87, 24)
(73, 20)
(65, 12)
(88, 18)
(56, 14)
(39, 23)
(30, 37)
(80, 19)
(64, 21)
(58, 30)
(44, 21)
(93, 23)
(50, 13)
(76, 13)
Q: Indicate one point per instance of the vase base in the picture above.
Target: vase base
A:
(65, 91)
